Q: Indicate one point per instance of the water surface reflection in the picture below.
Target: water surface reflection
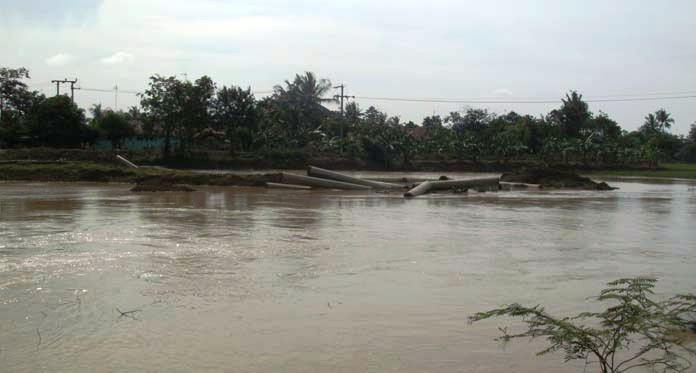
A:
(264, 280)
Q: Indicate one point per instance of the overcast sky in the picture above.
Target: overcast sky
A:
(414, 49)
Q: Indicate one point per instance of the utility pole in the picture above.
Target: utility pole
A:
(341, 97)
(72, 87)
(116, 97)
(57, 86)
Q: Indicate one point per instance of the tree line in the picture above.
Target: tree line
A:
(190, 116)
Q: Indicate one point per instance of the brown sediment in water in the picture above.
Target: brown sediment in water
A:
(162, 188)
(208, 179)
(554, 178)
(165, 178)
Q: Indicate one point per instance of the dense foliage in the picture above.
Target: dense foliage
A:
(635, 331)
(199, 115)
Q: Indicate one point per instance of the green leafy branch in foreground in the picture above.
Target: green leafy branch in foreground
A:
(635, 331)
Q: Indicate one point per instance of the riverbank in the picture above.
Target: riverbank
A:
(100, 172)
(294, 160)
(664, 171)
(109, 172)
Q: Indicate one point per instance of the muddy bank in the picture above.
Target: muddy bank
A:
(288, 159)
(553, 178)
(154, 178)
(67, 171)
(97, 172)
(178, 178)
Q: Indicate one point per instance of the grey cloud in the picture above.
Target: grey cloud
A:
(401, 48)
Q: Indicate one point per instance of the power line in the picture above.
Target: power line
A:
(626, 97)
(135, 92)
(109, 90)
(458, 101)
(641, 99)
(585, 96)
(679, 93)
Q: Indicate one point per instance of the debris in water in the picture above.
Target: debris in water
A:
(128, 313)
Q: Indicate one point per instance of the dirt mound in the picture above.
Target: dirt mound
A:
(178, 182)
(553, 178)
(209, 179)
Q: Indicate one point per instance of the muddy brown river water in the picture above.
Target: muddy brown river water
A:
(243, 279)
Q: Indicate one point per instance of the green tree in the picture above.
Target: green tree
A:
(634, 331)
(58, 122)
(692, 132)
(470, 131)
(352, 113)
(17, 104)
(573, 115)
(438, 143)
(97, 113)
(115, 126)
(234, 111)
(161, 103)
(301, 107)
(659, 122)
(14, 94)
(196, 103)
(271, 132)
(180, 109)
(664, 120)
(374, 118)
(604, 127)
(650, 125)
(432, 122)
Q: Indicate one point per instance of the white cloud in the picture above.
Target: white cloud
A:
(502, 92)
(463, 48)
(59, 59)
(118, 58)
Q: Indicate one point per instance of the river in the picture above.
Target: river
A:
(249, 279)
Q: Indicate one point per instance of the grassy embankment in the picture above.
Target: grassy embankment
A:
(666, 170)
(99, 172)
(109, 172)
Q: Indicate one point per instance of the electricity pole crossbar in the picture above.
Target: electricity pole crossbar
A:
(341, 96)
(65, 81)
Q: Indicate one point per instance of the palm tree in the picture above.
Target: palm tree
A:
(301, 104)
(574, 114)
(306, 88)
(97, 112)
(650, 125)
(664, 121)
